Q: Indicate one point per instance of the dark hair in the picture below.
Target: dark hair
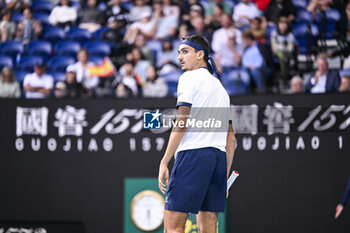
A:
(199, 40)
(247, 34)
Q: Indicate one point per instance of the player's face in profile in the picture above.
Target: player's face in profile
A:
(188, 57)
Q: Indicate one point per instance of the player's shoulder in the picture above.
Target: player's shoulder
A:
(193, 74)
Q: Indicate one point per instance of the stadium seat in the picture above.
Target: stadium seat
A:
(300, 3)
(42, 17)
(17, 17)
(12, 49)
(41, 48)
(99, 33)
(60, 63)
(172, 76)
(327, 23)
(5, 61)
(305, 34)
(96, 60)
(67, 48)
(79, 34)
(236, 81)
(304, 16)
(54, 34)
(128, 5)
(20, 74)
(98, 48)
(28, 62)
(57, 76)
(172, 88)
(40, 6)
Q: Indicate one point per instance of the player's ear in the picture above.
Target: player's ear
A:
(200, 54)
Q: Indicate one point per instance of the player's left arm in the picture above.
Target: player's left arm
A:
(230, 147)
(175, 138)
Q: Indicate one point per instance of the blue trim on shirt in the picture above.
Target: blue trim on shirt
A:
(183, 104)
(346, 194)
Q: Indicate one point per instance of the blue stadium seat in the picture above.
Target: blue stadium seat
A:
(172, 76)
(20, 74)
(60, 63)
(54, 34)
(172, 88)
(300, 3)
(99, 33)
(28, 62)
(67, 48)
(41, 48)
(98, 48)
(327, 23)
(42, 17)
(57, 76)
(96, 60)
(305, 34)
(12, 49)
(128, 5)
(5, 61)
(304, 16)
(79, 34)
(17, 17)
(236, 81)
(40, 6)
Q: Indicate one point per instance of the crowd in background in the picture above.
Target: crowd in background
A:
(252, 42)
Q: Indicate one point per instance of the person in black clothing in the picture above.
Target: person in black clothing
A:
(117, 10)
(346, 198)
(278, 8)
(73, 88)
(92, 18)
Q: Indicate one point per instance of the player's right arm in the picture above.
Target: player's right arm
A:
(230, 147)
(175, 138)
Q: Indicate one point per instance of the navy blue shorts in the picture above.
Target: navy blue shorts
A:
(198, 181)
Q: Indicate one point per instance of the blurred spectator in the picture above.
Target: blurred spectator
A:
(154, 86)
(138, 9)
(165, 25)
(145, 26)
(63, 15)
(183, 31)
(214, 21)
(297, 85)
(228, 56)
(221, 35)
(344, 84)
(315, 5)
(28, 25)
(9, 87)
(19, 33)
(140, 42)
(140, 65)
(261, 4)
(210, 9)
(17, 5)
(114, 33)
(323, 80)
(191, 10)
(253, 61)
(278, 8)
(122, 91)
(7, 27)
(117, 11)
(283, 45)
(167, 58)
(258, 28)
(73, 88)
(60, 90)
(127, 77)
(244, 12)
(38, 85)
(171, 9)
(199, 28)
(90, 83)
(92, 18)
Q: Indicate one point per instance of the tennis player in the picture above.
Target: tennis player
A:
(203, 158)
(340, 206)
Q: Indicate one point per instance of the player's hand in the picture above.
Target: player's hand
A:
(338, 210)
(163, 178)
